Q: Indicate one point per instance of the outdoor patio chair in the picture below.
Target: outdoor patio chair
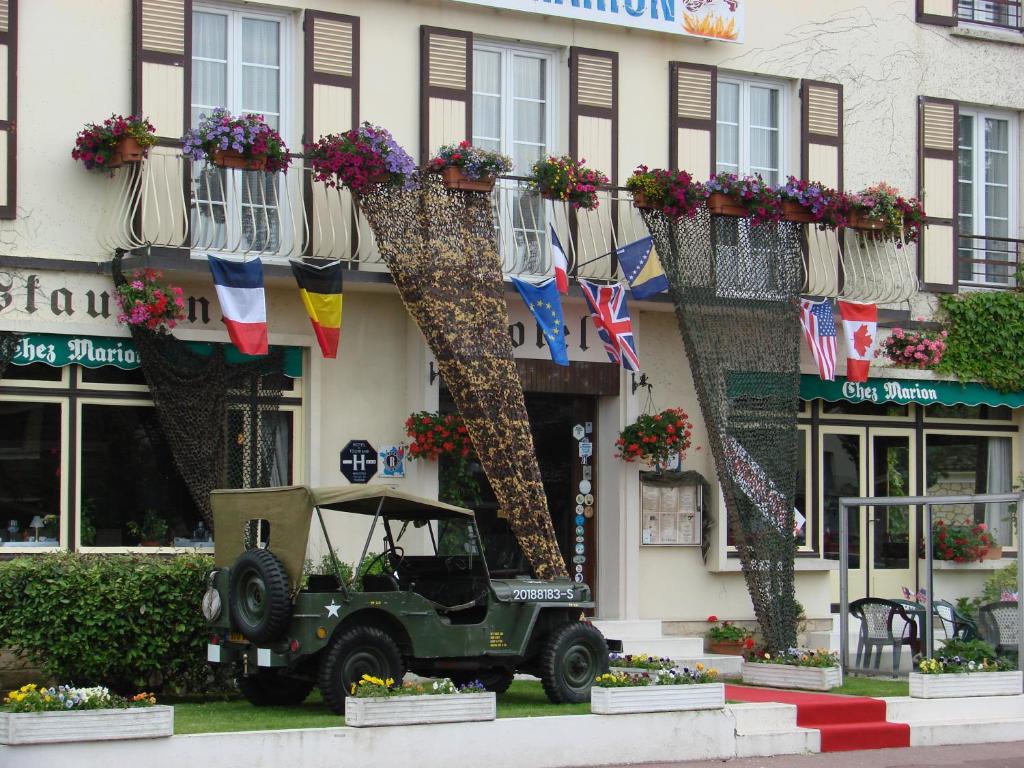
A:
(999, 626)
(876, 631)
(956, 625)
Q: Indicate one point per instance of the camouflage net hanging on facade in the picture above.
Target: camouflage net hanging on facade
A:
(441, 248)
(8, 346)
(735, 288)
(219, 420)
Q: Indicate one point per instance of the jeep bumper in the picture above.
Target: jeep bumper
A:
(229, 653)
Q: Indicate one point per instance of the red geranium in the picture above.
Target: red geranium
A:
(435, 435)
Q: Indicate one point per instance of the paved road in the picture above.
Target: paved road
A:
(1005, 755)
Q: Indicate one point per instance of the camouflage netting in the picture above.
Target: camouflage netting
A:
(441, 248)
(735, 288)
(8, 345)
(218, 419)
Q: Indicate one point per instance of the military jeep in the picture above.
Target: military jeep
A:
(431, 607)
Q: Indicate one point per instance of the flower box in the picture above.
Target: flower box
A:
(641, 201)
(945, 686)
(859, 220)
(727, 647)
(229, 158)
(656, 698)
(127, 150)
(721, 204)
(791, 676)
(86, 725)
(454, 178)
(417, 710)
(793, 211)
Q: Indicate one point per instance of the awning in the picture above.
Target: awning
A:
(904, 391)
(58, 350)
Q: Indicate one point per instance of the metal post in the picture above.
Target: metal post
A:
(1020, 579)
(929, 581)
(844, 584)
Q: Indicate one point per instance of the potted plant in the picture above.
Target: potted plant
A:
(618, 693)
(674, 193)
(152, 531)
(374, 701)
(436, 436)
(965, 668)
(961, 543)
(747, 196)
(726, 638)
(148, 303)
(35, 714)
(804, 202)
(915, 349)
(114, 142)
(245, 142)
(469, 168)
(562, 178)
(652, 438)
(882, 209)
(360, 159)
(813, 670)
(638, 663)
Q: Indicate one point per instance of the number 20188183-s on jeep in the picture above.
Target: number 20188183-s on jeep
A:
(432, 609)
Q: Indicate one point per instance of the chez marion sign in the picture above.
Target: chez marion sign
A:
(708, 19)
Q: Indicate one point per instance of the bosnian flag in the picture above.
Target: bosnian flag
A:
(860, 323)
(242, 302)
(561, 263)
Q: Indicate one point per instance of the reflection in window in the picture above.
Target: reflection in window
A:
(841, 477)
(30, 475)
(891, 473)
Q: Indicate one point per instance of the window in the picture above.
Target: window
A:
(30, 473)
(994, 13)
(237, 62)
(987, 178)
(750, 136)
(513, 106)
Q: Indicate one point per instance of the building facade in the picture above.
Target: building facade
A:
(918, 93)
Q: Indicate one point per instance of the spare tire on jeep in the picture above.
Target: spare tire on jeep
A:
(260, 604)
(574, 654)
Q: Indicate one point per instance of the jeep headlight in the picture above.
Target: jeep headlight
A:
(211, 604)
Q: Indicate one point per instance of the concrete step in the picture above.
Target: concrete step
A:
(669, 647)
(628, 629)
(771, 729)
(727, 666)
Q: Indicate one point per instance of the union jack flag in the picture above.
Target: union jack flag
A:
(611, 318)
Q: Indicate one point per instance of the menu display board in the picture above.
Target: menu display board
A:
(670, 511)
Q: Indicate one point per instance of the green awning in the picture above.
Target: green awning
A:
(904, 391)
(58, 350)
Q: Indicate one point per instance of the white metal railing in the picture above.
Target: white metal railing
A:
(863, 266)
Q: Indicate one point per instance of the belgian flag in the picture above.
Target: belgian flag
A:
(320, 287)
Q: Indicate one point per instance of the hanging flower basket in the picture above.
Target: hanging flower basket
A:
(883, 210)
(229, 158)
(455, 178)
(116, 142)
(653, 438)
(731, 195)
(360, 159)
(915, 349)
(720, 204)
(148, 303)
(793, 211)
(245, 142)
(674, 193)
(469, 168)
(565, 179)
(862, 220)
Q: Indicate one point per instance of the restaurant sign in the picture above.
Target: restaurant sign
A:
(707, 19)
(905, 391)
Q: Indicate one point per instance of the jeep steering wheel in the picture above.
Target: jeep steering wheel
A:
(392, 566)
(453, 563)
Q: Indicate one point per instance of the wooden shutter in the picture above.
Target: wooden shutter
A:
(692, 110)
(9, 109)
(821, 132)
(937, 139)
(941, 12)
(162, 64)
(594, 109)
(446, 88)
(331, 84)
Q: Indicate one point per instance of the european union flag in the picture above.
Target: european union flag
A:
(543, 302)
(642, 268)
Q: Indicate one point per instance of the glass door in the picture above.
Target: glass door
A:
(892, 531)
(843, 460)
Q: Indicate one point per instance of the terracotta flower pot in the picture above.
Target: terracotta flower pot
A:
(229, 158)
(994, 553)
(721, 204)
(454, 178)
(727, 647)
(793, 211)
(640, 200)
(127, 150)
(860, 220)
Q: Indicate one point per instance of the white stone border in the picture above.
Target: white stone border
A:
(966, 684)
(790, 676)
(656, 698)
(86, 725)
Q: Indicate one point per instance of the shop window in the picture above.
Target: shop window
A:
(846, 408)
(957, 465)
(30, 473)
(109, 374)
(750, 137)
(960, 411)
(841, 474)
(33, 372)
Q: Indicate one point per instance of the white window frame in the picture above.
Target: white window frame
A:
(745, 84)
(978, 184)
(286, 116)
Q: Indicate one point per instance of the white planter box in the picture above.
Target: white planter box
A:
(966, 684)
(786, 676)
(416, 710)
(656, 698)
(86, 725)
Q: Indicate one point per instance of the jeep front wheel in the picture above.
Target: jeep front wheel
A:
(356, 652)
(573, 656)
(269, 689)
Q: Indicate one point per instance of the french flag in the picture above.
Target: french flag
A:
(561, 263)
(243, 302)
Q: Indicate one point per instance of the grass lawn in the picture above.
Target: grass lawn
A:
(525, 698)
(873, 686)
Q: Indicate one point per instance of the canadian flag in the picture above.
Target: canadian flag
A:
(860, 323)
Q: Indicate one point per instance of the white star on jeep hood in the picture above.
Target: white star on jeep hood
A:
(332, 609)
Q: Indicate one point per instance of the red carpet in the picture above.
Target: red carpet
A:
(846, 723)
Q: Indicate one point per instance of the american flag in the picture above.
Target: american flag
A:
(820, 332)
(611, 317)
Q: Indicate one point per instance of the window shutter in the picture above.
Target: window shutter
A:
(941, 12)
(937, 187)
(331, 84)
(594, 109)
(446, 88)
(821, 132)
(693, 105)
(9, 109)
(162, 64)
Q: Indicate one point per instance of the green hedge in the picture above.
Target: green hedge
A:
(127, 622)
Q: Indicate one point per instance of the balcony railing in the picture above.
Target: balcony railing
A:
(989, 261)
(859, 266)
(991, 13)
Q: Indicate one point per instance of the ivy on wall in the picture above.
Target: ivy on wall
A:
(986, 338)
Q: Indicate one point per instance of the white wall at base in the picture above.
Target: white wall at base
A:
(974, 720)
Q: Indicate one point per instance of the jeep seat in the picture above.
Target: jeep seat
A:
(380, 582)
